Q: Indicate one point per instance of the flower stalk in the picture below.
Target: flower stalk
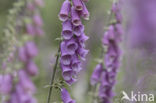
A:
(105, 72)
(53, 75)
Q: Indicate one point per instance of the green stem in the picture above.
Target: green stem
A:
(53, 76)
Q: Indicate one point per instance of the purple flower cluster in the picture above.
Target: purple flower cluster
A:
(26, 55)
(106, 80)
(20, 88)
(72, 47)
(24, 89)
(106, 74)
(35, 26)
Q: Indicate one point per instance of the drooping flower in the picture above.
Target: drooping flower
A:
(67, 30)
(77, 5)
(31, 49)
(31, 68)
(64, 12)
(96, 75)
(66, 96)
(26, 82)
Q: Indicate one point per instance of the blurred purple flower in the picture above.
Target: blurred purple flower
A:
(26, 82)
(37, 19)
(31, 49)
(31, 68)
(106, 76)
(5, 84)
(96, 75)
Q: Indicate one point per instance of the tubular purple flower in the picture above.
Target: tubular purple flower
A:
(75, 17)
(25, 82)
(78, 30)
(77, 5)
(65, 9)
(67, 30)
(84, 13)
(96, 75)
(104, 78)
(82, 53)
(105, 94)
(31, 49)
(65, 59)
(66, 72)
(83, 38)
(71, 46)
(105, 90)
(76, 65)
(31, 68)
(66, 97)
